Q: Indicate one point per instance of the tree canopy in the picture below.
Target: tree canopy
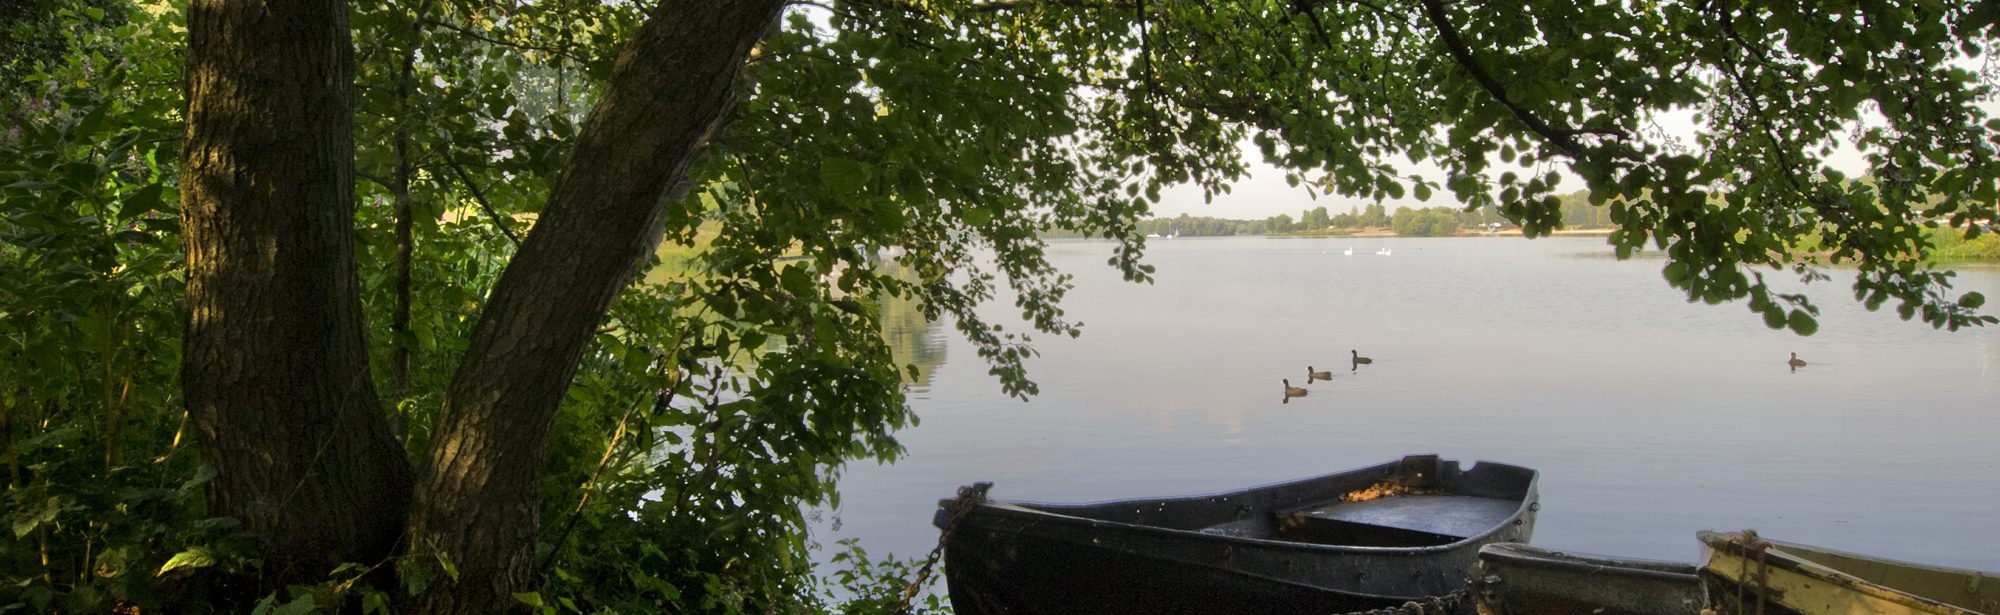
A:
(579, 434)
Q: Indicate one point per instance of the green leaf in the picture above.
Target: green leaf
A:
(976, 216)
(195, 557)
(1774, 317)
(444, 561)
(1802, 323)
(1676, 272)
(374, 602)
(91, 122)
(303, 605)
(28, 524)
(138, 203)
(1972, 301)
(843, 176)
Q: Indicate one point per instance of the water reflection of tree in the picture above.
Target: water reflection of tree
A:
(913, 339)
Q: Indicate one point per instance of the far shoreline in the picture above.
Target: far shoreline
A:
(1382, 233)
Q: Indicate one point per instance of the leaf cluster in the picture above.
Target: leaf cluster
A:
(104, 499)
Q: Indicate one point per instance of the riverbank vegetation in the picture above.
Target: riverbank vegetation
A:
(342, 305)
(1952, 245)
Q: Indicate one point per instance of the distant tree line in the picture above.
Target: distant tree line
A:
(1185, 225)
(1577, 212)
(1432, 222)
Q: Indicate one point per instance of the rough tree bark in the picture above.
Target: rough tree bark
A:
(479, 495)
(275, 368)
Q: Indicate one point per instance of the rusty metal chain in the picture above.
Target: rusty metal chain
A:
(968, 497)
(1446, 604)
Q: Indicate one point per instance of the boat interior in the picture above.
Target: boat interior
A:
(1393, 521)
(1419, 501)
(1968, 589)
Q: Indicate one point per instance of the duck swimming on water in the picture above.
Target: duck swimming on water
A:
(1292, 391)
(1312, 375)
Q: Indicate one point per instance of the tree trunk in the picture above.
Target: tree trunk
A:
(399, 320)
(479, 495)
(275, 369)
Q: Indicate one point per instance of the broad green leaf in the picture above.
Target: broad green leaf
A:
(1802, 323)
(28, 523)
(1774, 317)
(195, 557)
(1676, 272)
(843, 176)
(303, 605)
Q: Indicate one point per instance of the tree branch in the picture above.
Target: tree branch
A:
(1564, 138)
(555, 51)
(480, 196)
(1001, 6)
(379, 181)
(998, 6)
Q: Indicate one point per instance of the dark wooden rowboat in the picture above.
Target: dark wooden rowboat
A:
(1517, 579)
(1293, 548)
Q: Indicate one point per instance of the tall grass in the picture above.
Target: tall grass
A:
(1953, 246)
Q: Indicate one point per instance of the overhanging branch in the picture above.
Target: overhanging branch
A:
(1008, 5)
(1564, 138)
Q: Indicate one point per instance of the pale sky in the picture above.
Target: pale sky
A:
(1264, 193)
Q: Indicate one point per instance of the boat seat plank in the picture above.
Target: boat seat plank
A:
(1451, 515)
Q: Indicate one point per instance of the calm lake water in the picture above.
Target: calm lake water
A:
(1648, 417)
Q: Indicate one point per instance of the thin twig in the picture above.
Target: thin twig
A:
(554, 51)
(480, 195)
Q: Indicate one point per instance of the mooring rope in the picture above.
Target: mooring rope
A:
(1750, 542)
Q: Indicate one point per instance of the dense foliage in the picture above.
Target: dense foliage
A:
(683, 461)
(888, 152)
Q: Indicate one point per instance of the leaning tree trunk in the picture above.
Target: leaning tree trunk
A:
(275, 367)
(478, 499)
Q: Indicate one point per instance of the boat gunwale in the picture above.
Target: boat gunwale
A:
(1526, 504)
(1504, 553)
